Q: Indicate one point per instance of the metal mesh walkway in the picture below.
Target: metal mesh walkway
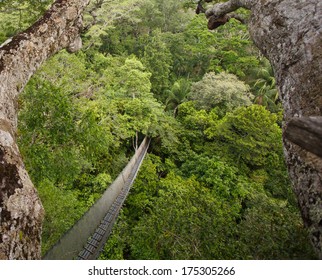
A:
(87, 237)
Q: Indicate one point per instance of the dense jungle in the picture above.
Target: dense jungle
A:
(214, 184)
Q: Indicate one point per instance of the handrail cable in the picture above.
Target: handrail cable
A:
(87, 237)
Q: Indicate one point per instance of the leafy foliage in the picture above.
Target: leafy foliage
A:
(252, 134)
(183, 220)
(49, 134)
(17, 15)
(214, 185)
(223, 91)
(58, 202)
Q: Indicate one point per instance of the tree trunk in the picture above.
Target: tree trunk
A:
(21, 212)
(289, 34)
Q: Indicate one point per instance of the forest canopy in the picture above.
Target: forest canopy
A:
(214, 184)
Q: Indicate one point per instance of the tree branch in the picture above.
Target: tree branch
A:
(238, 17)
(200, 8)
(219, 13)
(306, 132)
(59, 28)
(92, 11)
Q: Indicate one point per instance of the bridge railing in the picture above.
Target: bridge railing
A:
(74, 240)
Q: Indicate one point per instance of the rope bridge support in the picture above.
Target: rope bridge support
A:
(87, 237)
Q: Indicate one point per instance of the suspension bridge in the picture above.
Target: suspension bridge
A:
(85, 240)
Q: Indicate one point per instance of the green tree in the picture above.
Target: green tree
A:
(224, 180)
(137, 107)
(273, 229)
(264, 88)
(177, 94)
(194, 123)
(158, 60)
(48, 133)
(250, 135)
(223, 91)
(17, 15)
(57, 203)
(133, 79)
(186, 222)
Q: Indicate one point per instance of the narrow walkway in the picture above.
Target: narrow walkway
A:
(86, 238)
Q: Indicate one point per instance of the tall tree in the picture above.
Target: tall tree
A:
(223, 91)
(21, 212)
(288, 33)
